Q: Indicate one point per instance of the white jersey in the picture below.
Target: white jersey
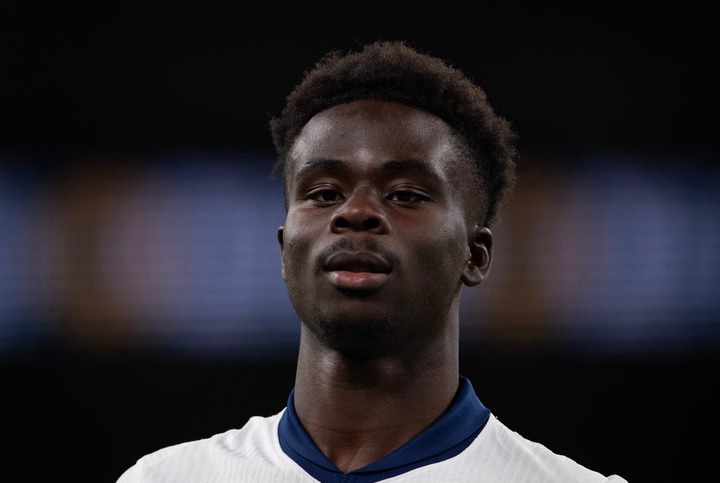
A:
(255, 454)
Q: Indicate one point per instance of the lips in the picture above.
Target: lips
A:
(357, 271)
(356, 262)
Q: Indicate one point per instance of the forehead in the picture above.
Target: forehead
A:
(367, 132)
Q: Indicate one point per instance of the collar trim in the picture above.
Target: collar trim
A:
(445, 438)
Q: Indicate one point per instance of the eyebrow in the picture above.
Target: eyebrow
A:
(399, 166)
(322, 164)
(413, 166)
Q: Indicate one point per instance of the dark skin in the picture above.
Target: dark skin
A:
(376, 247)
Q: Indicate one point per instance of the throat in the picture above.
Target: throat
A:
(355, 427)
(352, 449)
(358, 410)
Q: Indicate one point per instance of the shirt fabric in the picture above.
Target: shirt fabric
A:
(466, 444)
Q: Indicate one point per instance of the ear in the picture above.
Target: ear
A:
(281, 241)
(478, 266)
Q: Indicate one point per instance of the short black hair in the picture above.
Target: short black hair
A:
(394, 71)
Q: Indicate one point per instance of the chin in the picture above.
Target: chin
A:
(357, 338)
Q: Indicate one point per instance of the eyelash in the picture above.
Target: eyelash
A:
(319, 195)
(414, 195)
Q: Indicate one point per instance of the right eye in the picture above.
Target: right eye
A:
(325, 195)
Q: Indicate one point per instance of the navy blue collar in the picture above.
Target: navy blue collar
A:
(445, 438)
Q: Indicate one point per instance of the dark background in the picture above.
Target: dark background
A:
(156, 75)
(80, 80)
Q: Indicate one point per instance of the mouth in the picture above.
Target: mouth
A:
(357, 271)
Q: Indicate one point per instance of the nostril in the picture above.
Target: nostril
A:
(341, 222)
(371, 223)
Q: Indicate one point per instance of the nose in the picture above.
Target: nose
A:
(360, 212)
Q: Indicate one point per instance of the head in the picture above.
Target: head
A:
(394, 71)
(394, 167)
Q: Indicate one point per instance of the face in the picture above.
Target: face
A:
(377, 242)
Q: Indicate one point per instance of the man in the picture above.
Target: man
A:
(395, 168)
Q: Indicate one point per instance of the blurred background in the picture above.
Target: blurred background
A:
(141, 303)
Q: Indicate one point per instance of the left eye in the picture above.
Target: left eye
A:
(406, 197)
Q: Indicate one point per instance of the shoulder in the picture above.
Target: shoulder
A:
(236, 452)
(515, 453)
(500, 454)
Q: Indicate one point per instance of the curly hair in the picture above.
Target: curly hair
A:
(394, 71)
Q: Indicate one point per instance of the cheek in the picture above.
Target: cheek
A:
(296, 227)
(290, 250)
(299, 238)
(449, 254)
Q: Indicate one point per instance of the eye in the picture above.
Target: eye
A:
(407, 197)
(325, 195)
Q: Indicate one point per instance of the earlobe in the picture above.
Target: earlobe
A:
(478, 266)
(281, 241)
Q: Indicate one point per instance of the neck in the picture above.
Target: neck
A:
(358, 411)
